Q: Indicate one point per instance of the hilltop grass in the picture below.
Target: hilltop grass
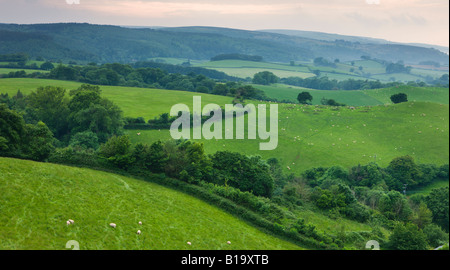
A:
(38, 198)
(290, 93)
(429, 94)
(370, 97)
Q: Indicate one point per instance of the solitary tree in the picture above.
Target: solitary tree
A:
(304, 98)
(399, 98)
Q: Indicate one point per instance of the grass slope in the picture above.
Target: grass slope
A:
(135, 102)
(358, 97)
(311, 136)
(38, 198)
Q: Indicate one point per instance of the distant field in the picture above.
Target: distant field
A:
(244, 69)
(399, 77)
(38, 198)
(430, 94)
(342, 71)
(8, 70)
(135, 102)
(351, 98)
(358, 97)
(174, 61)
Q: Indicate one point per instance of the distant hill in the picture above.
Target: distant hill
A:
(334, 37)
(105, 43)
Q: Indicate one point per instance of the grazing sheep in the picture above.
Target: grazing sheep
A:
(140, 222)
(113, 225)
(229, 243)
(139, 232)
(68, 223)
(71, 221)
(139, 134)
(189, 243)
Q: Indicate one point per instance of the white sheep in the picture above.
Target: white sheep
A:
(139, 232)
(139, 134)
(229, 243)
(140, 222)
(113, 225)
(71, 221)
(68, 223)
(189, 243)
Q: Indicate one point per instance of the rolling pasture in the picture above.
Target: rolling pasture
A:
(357, 70)
(309, 136)
(358, 97)
(244, 69)
(38, 198)
(313, 136)
(135, 102)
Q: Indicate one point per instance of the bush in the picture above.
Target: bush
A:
(399, 98)
(407, 237)
(87, 139)
(435, 235)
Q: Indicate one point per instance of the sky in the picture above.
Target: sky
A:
(410, 21)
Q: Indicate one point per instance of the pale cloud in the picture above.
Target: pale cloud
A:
(159, 9)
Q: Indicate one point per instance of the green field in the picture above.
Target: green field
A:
(38, 198)
(311, 136)
(427, 190)
(135, 102)
(429, 94)
(358, 97)
(28, 71)
(244, 69)
(342, 71)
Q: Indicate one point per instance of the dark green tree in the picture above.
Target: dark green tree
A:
(399, 98)
(265, 78)
(407, 237)
(438, 202)
(304, 98)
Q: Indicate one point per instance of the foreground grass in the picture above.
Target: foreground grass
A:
(38, 198)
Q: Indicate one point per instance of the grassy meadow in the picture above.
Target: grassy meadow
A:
(311, 136)
(38, 198)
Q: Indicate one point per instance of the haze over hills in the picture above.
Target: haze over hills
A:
(106, 43)
(334, 37)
